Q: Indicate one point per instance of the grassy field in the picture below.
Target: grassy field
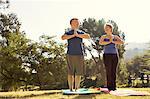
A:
(56, 94)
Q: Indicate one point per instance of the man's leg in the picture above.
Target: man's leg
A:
(71, 82)
(79, 70)
(70, 68)
(77, 82)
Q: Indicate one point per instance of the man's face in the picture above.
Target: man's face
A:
(75, 24)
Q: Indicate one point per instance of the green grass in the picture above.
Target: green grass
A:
(56, 94)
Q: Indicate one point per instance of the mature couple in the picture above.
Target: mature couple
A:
(75, 58)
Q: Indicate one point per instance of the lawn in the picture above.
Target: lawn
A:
(56, 94)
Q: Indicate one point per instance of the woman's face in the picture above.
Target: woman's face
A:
(75, 24)
(108, 29)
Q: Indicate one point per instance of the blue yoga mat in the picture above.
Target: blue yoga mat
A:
(81, 91)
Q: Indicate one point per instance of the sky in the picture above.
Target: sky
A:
(51, 17)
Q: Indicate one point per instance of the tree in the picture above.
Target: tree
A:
(4, 4)
(12, 42)
(122, 73)
(24, 62)
(9, 23)
(12, 73)
(138, 65)
(46, 63)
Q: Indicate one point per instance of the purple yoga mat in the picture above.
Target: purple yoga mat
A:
(123, 92)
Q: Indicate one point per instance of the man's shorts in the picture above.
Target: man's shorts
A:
(75, 64)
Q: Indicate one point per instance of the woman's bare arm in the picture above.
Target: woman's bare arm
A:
(102, 42)
(118, 40)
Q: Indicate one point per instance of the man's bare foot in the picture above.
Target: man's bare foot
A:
(71, 90)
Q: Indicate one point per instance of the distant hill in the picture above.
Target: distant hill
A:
(134, 49)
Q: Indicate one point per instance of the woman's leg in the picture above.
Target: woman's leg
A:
(113, 73)
(107, 63)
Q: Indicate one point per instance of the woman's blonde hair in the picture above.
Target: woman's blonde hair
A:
(110, 25)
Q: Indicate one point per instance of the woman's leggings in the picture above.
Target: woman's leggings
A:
(111, 62)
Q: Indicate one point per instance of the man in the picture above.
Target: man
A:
(75, 58)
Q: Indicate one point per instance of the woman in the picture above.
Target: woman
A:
(110, 55)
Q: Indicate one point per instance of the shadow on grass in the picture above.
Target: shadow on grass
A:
(90, 96)
(31, 95)
(87, 96)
